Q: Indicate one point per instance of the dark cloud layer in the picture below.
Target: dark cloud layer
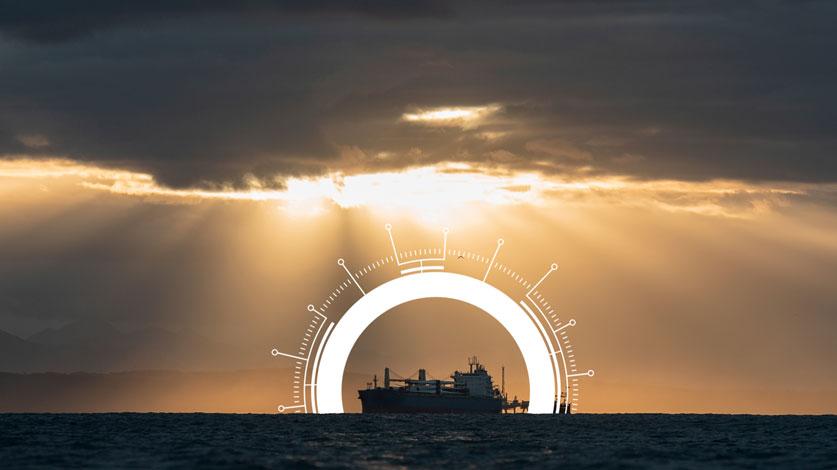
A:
(211, 91)
(49, 21)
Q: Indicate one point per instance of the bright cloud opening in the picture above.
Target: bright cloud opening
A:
(440, 187)
(453, 117)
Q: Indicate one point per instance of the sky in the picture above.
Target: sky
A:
(201, 165)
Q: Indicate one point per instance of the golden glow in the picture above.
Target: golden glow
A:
(24, 167)
(438, 188)
(634, 240)
(454, 117)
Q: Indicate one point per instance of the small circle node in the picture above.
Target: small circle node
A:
(500, 241)
(281, 408)
(341, 262)
(590, 372)
(446, 230)
(554, 266)
(388, 227)
(311, 308)
(275, 352)
(572, 322)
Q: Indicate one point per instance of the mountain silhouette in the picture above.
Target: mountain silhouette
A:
(14, 349)
(77, 332)
(97, 346)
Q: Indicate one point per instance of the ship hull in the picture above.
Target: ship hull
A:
(382, 400)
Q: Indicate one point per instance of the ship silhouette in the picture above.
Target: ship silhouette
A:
(469, 392)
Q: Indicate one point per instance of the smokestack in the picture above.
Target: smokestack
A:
(386, 377)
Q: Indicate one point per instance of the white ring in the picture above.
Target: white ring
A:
(329, 377)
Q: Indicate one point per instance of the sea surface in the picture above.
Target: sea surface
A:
(129, 440)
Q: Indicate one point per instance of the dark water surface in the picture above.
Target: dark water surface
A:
(416, 441)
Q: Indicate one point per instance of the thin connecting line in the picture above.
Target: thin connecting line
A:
(282, 408)
(551, 268)
(499, 244)
(589, 373)
(445, 232)
(314, 310)
(343, 263)
(571, 323)
(276, 352)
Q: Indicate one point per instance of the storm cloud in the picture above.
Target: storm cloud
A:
(207, 93)
(49, 21)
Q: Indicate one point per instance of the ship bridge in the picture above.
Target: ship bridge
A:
(476, 380)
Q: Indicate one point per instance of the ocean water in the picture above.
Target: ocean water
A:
(128, 440)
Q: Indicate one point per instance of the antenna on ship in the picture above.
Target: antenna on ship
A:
(503, 391)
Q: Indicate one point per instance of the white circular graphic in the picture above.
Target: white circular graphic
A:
(329, 377)
(534, 325)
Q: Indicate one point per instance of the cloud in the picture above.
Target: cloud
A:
(33, 141)
(465, 117)
(283, 88)
(560, 149)
(502, 156)
(50, 21)
(627, 159)
(443, 187)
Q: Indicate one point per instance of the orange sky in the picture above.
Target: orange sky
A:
(728, 308)
(178, 181)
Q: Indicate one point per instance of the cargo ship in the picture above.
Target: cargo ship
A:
(469, 392)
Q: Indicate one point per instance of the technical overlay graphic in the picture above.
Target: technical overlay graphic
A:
(371, 290)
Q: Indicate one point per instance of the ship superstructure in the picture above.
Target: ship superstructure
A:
(469, 392)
